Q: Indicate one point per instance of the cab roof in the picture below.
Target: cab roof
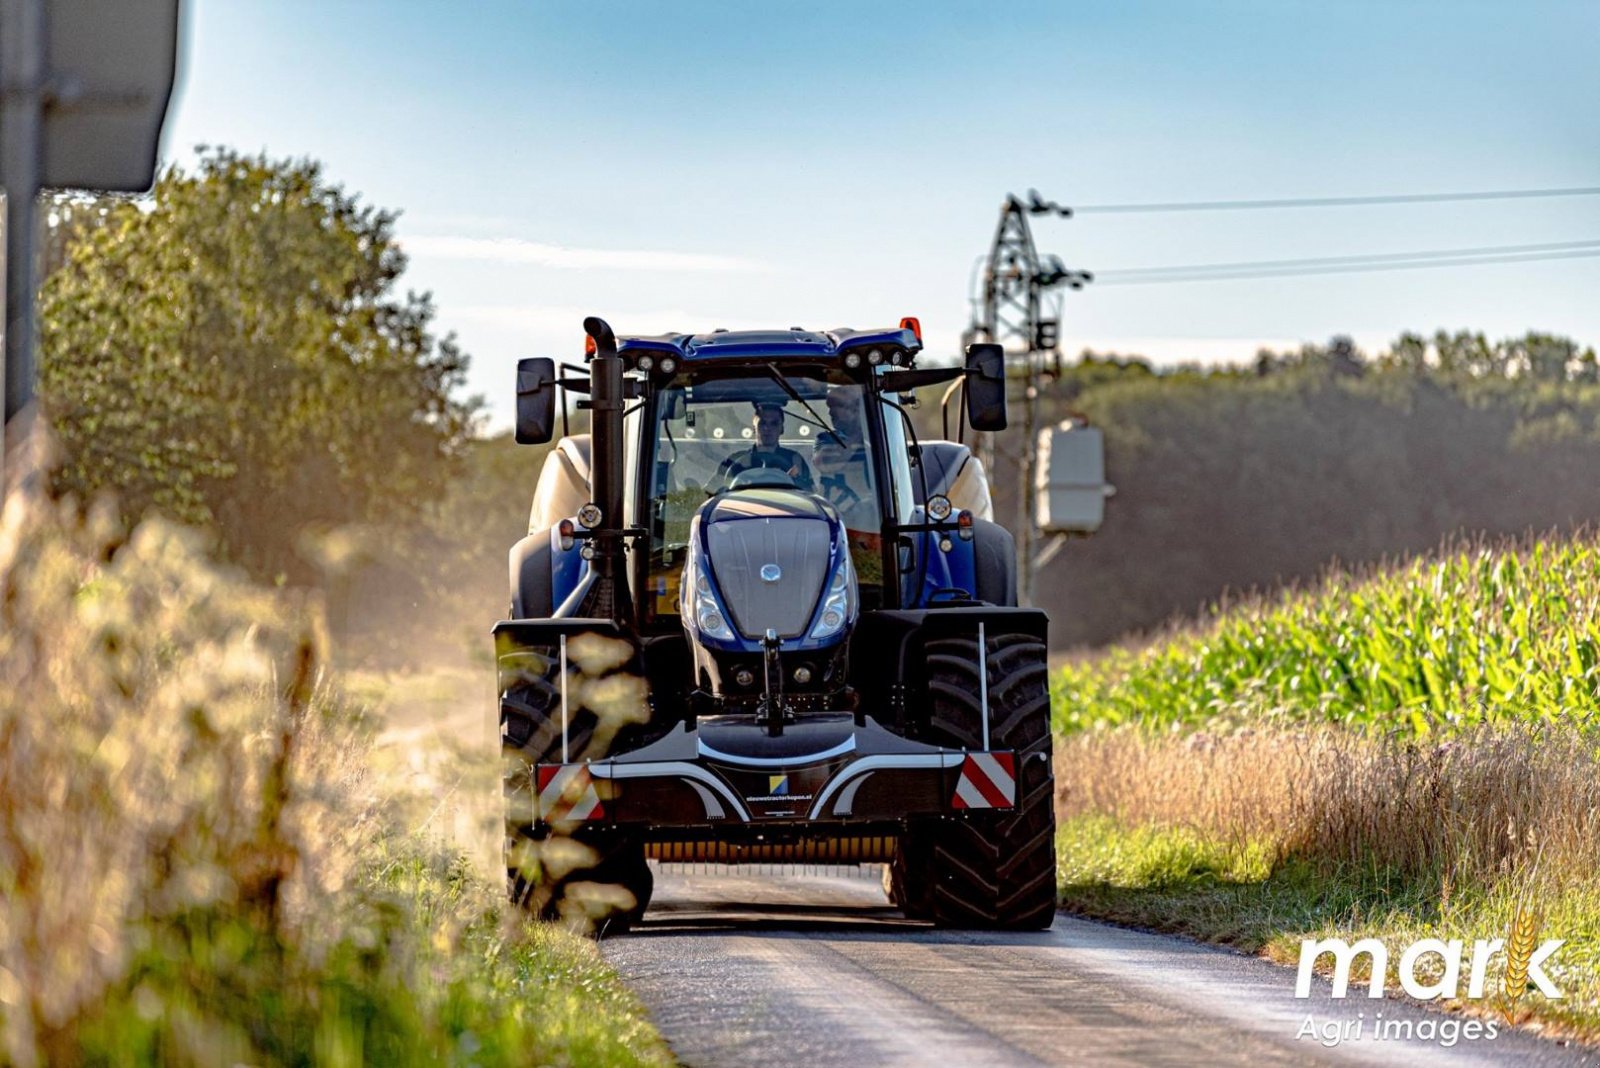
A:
(769, 344)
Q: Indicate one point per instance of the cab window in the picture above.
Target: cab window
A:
(744, 428)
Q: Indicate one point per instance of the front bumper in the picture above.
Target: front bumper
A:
(727, 774)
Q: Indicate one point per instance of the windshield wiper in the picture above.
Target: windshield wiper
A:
(815, 420)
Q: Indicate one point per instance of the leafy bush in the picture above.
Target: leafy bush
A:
(232, 351)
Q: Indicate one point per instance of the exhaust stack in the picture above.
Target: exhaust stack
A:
(609, 597)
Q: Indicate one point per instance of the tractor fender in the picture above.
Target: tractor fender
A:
(532, 595)
(985, 568)
(543, 575)
(888, 653)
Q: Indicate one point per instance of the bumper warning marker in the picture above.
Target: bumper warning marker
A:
(566, 792)
(987, 780)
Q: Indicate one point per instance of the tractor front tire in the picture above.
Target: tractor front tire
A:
(595, 882)
(992, 869)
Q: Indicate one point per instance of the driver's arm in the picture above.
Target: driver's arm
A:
(802, 473)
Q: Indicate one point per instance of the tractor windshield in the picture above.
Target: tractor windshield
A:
(805, 429)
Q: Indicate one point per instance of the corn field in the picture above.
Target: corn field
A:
(1477, 633)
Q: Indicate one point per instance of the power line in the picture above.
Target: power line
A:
(1244, 271)
(1367, 257)
(1335, 202)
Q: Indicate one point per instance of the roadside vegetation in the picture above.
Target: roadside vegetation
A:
(1405, 752)
(1236, 478)
(214, 846)
(198, 861)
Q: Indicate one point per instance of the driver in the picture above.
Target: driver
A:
(766, 452)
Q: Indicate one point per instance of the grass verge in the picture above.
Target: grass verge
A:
(198, 864)
(1259, 838)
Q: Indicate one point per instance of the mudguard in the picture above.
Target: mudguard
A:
(889, 651)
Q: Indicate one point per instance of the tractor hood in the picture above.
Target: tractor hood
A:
(769, 559)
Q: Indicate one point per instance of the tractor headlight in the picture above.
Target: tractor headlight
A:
(700, 604)
(711, 622)
(837, 605)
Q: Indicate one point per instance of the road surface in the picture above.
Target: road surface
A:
(816, 970)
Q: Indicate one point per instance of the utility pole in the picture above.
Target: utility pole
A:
(22, 72)
(84, 88)
(1016, 280)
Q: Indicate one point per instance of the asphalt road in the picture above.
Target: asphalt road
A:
(816, 970)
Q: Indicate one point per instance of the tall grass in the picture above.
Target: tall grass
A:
(1262, 836)
(196, 864)
(1494, 802)
(1476, 633)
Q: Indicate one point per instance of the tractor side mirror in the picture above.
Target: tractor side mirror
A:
(536, 400)
(986, 386)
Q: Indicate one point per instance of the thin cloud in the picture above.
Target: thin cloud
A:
(515, 251)
(538, 319)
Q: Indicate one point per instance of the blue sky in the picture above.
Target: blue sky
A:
(694, 165)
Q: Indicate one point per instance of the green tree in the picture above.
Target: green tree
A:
(231, 350)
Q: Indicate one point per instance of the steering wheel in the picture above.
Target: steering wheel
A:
(762, 478)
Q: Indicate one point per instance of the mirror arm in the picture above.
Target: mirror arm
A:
(959, 385)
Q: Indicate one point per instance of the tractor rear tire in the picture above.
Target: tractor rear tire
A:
(564, 877)
(994, 869)
(995, 561)
(905, 877)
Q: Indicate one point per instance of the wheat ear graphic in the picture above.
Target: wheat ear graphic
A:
(1519, 951)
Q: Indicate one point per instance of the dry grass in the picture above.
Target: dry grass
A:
(1484, 805)
(1261, 836)
(197, 865)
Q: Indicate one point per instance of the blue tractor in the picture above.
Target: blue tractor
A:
(756, 620)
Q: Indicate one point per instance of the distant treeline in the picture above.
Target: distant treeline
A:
(1236, 478)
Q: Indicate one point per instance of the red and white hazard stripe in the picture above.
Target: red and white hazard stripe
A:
(566, 792)
(987, 780)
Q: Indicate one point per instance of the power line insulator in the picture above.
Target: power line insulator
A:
(1046, 335)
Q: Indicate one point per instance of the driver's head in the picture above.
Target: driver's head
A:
(769, 425)
(844, 409)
